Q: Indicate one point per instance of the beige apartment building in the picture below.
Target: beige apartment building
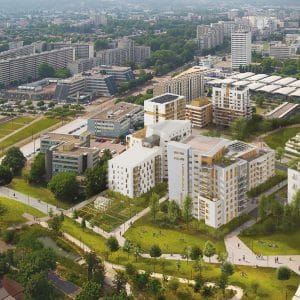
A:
(189, 84)
(164, 107)
(199, 112)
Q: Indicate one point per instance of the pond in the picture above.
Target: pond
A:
(50, 243)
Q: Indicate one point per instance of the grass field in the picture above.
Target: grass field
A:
(28, 131)
(275, 244)
(279, 138)
(170, 241)
(13, 212)
(19, 184)
(269, 287)
(10, 126)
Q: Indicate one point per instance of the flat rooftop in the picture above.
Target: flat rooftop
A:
(206, 145)
(60, 137)
(243, 75)
(195, 69)
(165, 98)
(119, 110)
(75, 150)
(282, 110)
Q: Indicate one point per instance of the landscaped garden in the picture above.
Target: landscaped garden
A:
(14, 124)
(119, 209)
(279, 138)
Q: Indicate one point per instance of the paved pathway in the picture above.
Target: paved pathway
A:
(26, 199)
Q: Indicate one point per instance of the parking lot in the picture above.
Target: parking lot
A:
(115, 148)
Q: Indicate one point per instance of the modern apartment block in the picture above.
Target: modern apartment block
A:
(280, 51)
(216, 173)
(230, 103)
(189, 84)
(26, 67)
(94, 84)
(135, 171)
(64, 152)
(292, 147)
(293, 181)
(240, 49)
(116, 121)
(15, 45)
(125, 53)
(16, 52)
(161, 134)
(82, 50)
(199, 112)
(210, 36)
(164, 107)
(99, 19)
(120, 74)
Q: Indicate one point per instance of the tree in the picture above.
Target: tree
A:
(195, 253)
(155, 251)
(187, 210)
(155, 286)
(120, 282)
(14, 160)
(64, 186)
(113, 244)
(62, 73)
(209, 250)
(173, 284)
(38, 170)
(83, 223)
(6, 175)
(279, 153)
(101, 44)
(45, 70)
(199, 282)
(127, 247)
(173, 211)
(91, 290)
(130, 270)
(222, 282)
(154, 205)
(95, 267)
(287, 219)
(283, 273)
(55, 224)
(227, 268)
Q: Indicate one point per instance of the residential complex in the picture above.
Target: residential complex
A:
(16, 52)
(135, 171)
(82, 50)
(164, 107)
(230, 103)
(240, 49)
(216, 173)
(280, 51)
(293, 181)
(284, 111)
(116, 121)
(199, 112)
(189, 84)
(26, 67)
(126, 52)
(65, 152)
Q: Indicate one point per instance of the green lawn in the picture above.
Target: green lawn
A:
(169, 240)
(28, 131)
(13, 212)
(269, 286)
(19, 184)
(10, 126)
(279, 138)
(275, 244)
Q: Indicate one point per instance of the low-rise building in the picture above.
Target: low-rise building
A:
(216, 173)
(283, 111)
(135, 171)
(292, 147)
(116, 121)
(293, 181)
(199, 112)
(164, 107)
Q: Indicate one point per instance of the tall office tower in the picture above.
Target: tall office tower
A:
(230, 103)
(164, 107)
(189, 84)
(240, 49)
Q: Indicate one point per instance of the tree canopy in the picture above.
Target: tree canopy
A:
(14, 160)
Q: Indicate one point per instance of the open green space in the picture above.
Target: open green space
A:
(279, 138)
(12, 211)
(14, 124)
(28, 131)
(19, 184)
(274, 244)
(120, 209)
(269, 287)
(146, 234)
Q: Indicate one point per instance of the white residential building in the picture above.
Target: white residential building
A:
(229, 103)
(293, 182)
(240, 49)
(215, 173)
(164, 107)
(135, 171)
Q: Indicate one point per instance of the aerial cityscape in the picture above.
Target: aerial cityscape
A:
(149, 149)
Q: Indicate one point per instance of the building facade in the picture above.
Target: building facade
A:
(199, 112)
(230, 103)
(164, 107)
(293, 182)
(240, 49)
(82, 50)
(189, 84)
